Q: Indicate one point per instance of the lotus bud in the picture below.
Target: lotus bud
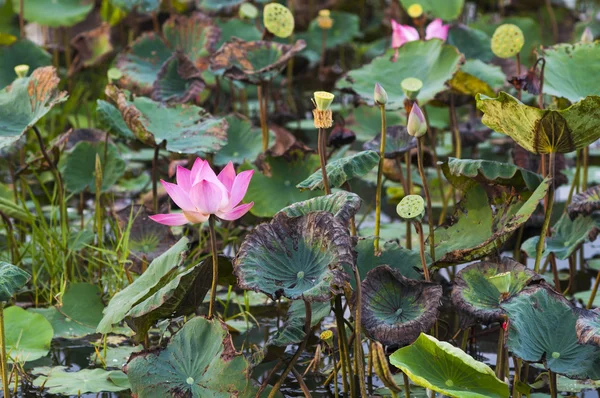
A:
(415, 11)
(411, 87)
(278, 19)
(587, 36)
(380, 94)
(507, 40)
(416, 126)
(114, 74)
(248, 11)
(323, 116)
(324, 19)
(411, 208)
(327, 337)
(22, 70)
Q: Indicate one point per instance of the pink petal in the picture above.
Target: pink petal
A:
(184, 178)
(195, 217)
(227, 175)
(206, 196)
(236, 212)
(173, 219)
(239, 188)
(402, 34)
(436, 30)
(179, 195)
(196, 169)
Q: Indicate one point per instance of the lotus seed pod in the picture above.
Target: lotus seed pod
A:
(411, 87)
(415, 10)
(248, 11)
(587, 36)
(278, 20)
(21, 70)
(380, 95)
(507, 41)
(323, 100)
(416, 125)
(327, 337)
(411, 208)
(324, 19)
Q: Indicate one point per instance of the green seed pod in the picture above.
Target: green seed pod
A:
(411, 87)
(278, 20)
(21, 70)
(248, 11)
(507, 41)
(411, 208)
(323, 100)
(327, 337)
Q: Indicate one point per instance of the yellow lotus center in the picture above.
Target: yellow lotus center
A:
(415, 11)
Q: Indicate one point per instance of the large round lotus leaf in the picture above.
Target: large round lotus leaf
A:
(345, 29)
(292, 331)
(21, 52)
(273, 191)
(79, 166)
(481, 287)
(543, 131)
(441, 367)
(444, 9)
(61, 382)
(473, 43)
(244, 142)
(569, 70)
(342, 170)
(11, 280)
(245, 30)
(585, 203)
(110, 118)
(199, 361)
(54, 13)
(296, 257)
(431, 61)
(178, 81)
(397, 142)
(588, 327)
(139, 5)
(253, 62)
(542, 329)
(395, 309)
(26, 101)
(28, 335)
(365, 121)
(343, 205)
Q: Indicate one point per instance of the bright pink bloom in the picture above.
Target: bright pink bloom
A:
(436, 30)
(402, 34)
(199, 192)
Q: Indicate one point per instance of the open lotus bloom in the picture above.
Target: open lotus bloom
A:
(199, 192)
(404, 33)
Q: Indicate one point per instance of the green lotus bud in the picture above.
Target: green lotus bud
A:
(587, 36)
(380, 94)
(417, 125)
(411, 208)
(114, 74)
(323, 100)
(278, 20)
(21, 70)
(248, 11)
(507, 40)
(411, 87)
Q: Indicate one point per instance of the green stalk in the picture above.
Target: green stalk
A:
(343, 346)
(594, 291)
(262, 102)
(359, 363)
(215, 265)
(419, 229)
(586, 163)
(3, 360)
(380, 177)
(154, 178)
(407, 160)
(553, 387)
(547, 216)
(427, 197)
(406, 385)
(321, 144)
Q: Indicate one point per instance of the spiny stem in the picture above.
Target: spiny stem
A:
(427, 197)
(594, 291)
(215, 265)
(380, 178)
(323, 158)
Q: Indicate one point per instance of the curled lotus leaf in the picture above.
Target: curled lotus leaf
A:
(296, 257)
(395, 309)
(397, 142)
(543, 131)
(178, 80)
(93, 47)
(26, 101)
(588, 327)
(343, 205)
(12, 278)
(585, 203)
(253, 62)
(542, 328)
(480, 288)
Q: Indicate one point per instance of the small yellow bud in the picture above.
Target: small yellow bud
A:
(324, 19)
(415, 10)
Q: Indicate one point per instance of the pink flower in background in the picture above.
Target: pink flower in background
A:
(199, 192)
(402, 34)
(436, 30)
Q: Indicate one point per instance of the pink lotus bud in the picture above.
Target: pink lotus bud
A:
(380, 95)
(416, 126)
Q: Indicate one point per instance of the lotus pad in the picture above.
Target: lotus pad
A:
(139, 5)
(395, 309)
(542, 329)
(178, 80)
(55, 13)
(343, 205)
(11, 280)
(58, 381)
(200, 361)
(441, 367)
(21, 52)
(444, 9)
(299, 258)
(244, 142)
(585, 203)
(292, 331)
(397, 142)
(588, 327)
(28, 335)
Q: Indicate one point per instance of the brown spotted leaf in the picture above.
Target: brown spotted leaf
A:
(93, 47)
(178, 81)
(588, 327)
(585, 203)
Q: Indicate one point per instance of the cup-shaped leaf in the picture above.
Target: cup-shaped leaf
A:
(585, 203)
(11, 280)
(296, 257)
(343, 205)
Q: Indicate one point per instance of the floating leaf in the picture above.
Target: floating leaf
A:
(244, 142)
(11, 280)
(473, 43)
(397, 142)
(26, 101)
(343, 205)
(443, 368)
(585, 203)
(342, 170)
(395, 309)
(588, 327)
(55, 13)
(431, 61)
(475, 77)
(28, 335)
(292, 331)
(58, 381)
(296, 257)
(542, 130)
(21, 52)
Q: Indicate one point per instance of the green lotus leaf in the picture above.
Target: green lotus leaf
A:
(473, 43)
(480, 231)
(110, 118)
(114, 357)
(28, 335)
(342, 170)
(343, 205)
(271, 193)
(585, 203)
(431, 61)
(178, 81)
(444, 9)
(395, 309)
(146, 6)
(397, 142)
(296, 257)
(11, 280)
(365, 122)
(292, 330)
(443, 368)
(588, 327)
(542, 329)
(78, 167)
(465, 173)
(26, 101)
(185, 128)
(477, 294)
(475, 77)
(345, 30)
(244, 142)
(217, 5)
(569, 69)
(55, 13)
(542, 131)
(565, 384)
(58, 381)
(253, 62)
(199, 361)
(245, 30)
(159, 273)
(21, 52)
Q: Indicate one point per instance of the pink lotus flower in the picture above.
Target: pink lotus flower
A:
(199, 192)
(404, 33)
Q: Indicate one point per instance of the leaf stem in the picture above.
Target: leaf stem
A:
(359, 363)
(427, 197)
(550, 196)
(155, 178)
(3, 360)
(380, 178)
(419, 228)
(262, 102)
(323, 158)
(215, 265)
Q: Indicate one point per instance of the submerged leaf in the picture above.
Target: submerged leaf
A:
(343, 205)
(11, 280)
